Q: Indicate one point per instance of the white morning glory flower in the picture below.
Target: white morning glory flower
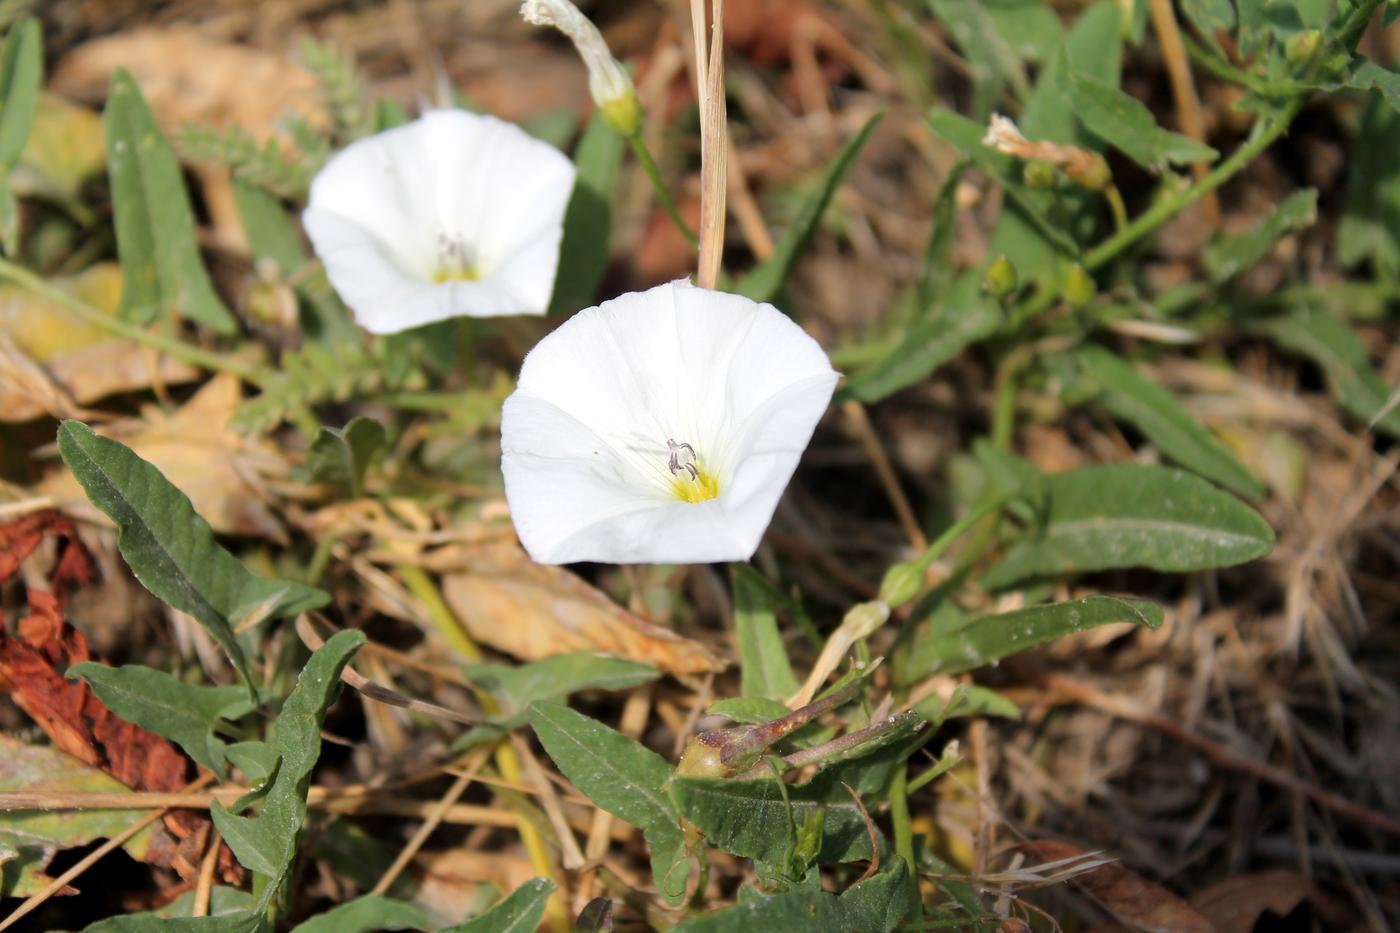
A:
(453, 214)
(660, 427)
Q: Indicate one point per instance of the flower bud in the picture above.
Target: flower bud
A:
(902, 582)
(608, 81)
(1079, 287)
(1090, 172)
(1039, 174)
(1000, 279)
(1301, 47)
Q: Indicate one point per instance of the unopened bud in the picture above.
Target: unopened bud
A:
(902, 583)
(1039, 174)
(1000, 279)
(1079, 287)
(1301, 47)
(1089, 172)
(608, 81)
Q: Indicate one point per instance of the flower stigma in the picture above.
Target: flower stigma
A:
(690, 481)
(454, 261)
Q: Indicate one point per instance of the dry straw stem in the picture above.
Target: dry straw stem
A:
(454, 793)
(1188, 104)
(714, 139)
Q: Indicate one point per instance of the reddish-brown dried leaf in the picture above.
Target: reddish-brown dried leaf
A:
(1236, 904)
(19, 538)
(1131, 899)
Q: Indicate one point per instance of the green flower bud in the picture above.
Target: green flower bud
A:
(1079, 287)
(1089, 172)
(1000, 279)
(902, 583)
(1300, 48)
(1039, 174)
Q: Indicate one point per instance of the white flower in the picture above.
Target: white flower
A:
(660, 427)
(453, 214)
(608, 82)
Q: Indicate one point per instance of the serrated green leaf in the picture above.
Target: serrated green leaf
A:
(1341, 354)
(583, 252)
(1125, 122)
(990, 638)
(340, 456)
(1370, 224)
(521, 912)
(186, 714)
(365, 915)
(162, 272)
(1132, 515)
(752, 818)
(876, 905)
(764, 670)
(1132, 397)
(765, 281)
(1226, 257)
(623, 777)
(964, 320)
(267, 843)
(1366, 75)
(169, 548)
(516, 687)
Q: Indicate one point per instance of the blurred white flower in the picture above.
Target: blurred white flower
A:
(453, 214)
(608, 81)
(660, 427)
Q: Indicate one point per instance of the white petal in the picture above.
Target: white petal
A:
(737, 380)
(380, 209)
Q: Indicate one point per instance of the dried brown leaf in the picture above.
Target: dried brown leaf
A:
(1132, 899)
(1236, 904)
(533, 611)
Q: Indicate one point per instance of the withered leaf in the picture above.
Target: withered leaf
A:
(1132, 899)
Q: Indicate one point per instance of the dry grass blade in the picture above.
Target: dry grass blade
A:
(454, 793)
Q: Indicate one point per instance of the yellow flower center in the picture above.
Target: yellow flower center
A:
(703, 488)
(454, 274)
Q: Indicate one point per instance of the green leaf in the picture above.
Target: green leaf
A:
(995, 62)
(267, 844)
(162, 272)
(766, 280)
(340, 456)
(365, 915)
(764, 670)
(964, 320)
(521, 912)
(242, 922)
(751, 710)
(1125, 122)
(752, 818)
(937, 273)
(169, 548)
(516, 687)
(1342, 356)
(990, 638)
(1136, 399)
(583, 252)
(1132, 515)
(1226, 257)
(623, 777)
(21, 75)
(1210, 16)
(185, 714)
(876, 905)
(1370, 224)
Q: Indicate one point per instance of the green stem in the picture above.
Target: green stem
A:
(1171, 205)
(185, 352)
(1115, 204)
(639, 146)
(955, 531)
(899, 815)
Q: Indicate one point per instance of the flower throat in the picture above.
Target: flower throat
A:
(690, 481)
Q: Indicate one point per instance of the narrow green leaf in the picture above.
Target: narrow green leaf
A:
(991, 638)
(186, 714)
(766, 280)
(751, 818)
(1228, 256)
(764, 670)
(169, 548)
(583, 252)
(752, 710)
(623, 777)
(937, 273)
(1341, 354)
(521, 912)
(366, 915)
(162, 272)
(21, 76)
(243, 922)
(267, 843)
(876, 905)
(928, 345)
(1125, 122)
(1370, 224)
(516, 687)
(1136, 399)
(340, 456)
(1133, 515)
(995, 62)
